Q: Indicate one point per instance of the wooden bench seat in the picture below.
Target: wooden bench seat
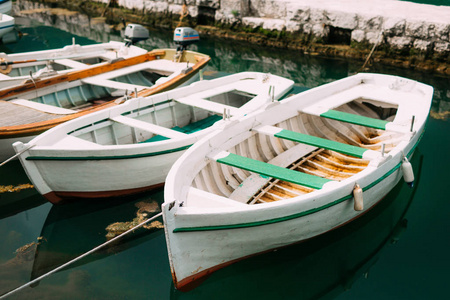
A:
(355, 119)
(114, 84)
(270, 170)
(318, 142)
(159, 130)
(252, 184)
(207, 105)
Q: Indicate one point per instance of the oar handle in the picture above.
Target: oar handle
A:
(7, 63)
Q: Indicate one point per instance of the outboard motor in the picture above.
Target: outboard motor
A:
(135, 33)
(184, 36)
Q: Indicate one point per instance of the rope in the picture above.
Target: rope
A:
(184, 13)
(17, 154)
(106, 7)
(5, 67)
(78, 258)
(371, 52)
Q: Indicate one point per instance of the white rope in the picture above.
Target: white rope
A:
(380, 37)
(78, 258)
(17, 154)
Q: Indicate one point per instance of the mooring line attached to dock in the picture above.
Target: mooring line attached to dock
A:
(380, 36)
(17, 154)
(78, 258)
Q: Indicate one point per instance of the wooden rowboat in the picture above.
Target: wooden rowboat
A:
(299, 168)
(129, 148)
(37, 105)
(19, 67)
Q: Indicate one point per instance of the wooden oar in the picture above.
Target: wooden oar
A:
(7, 63)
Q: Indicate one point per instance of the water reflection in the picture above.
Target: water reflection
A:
(236, 56)
(320, 268)
(17, 194)
(72, 229)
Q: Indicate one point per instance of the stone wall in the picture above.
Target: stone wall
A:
(393, 23)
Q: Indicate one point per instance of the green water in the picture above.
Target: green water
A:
(397, 251)
(432, 2)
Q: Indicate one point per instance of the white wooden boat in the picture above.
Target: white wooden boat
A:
(6, 24)
(299, 168)
(130, 147)
(37, 105)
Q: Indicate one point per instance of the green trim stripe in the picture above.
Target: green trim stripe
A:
(300, 214)
(274, 171)
(355, 119)
(320, 142)
(286, 218)
(108, 157)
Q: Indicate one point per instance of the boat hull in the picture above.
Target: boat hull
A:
(6, 25)
(99, 178)
(197, 252)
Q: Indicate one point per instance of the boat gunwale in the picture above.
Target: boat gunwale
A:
(138, 150)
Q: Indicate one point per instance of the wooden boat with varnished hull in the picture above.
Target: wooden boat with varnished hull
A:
(38, 105)
(16, 68)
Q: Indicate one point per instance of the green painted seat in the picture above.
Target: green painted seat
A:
(274, 171)
(190, 128)
(355, 119)
(198, 125)
(321, 143)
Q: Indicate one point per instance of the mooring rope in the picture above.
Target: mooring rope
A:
(184, 13)
(78, 258)
(17, 154)
(380, 36)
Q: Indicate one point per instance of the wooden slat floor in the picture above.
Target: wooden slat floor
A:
(13, 114)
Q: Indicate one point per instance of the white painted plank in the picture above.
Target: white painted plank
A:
(114, 84)
(159, 130)
(207, 105)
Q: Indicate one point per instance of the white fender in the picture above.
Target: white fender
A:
(408, 173)
(358, 198)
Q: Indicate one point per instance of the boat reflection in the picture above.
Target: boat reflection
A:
(319, 268)
(17, 194)
(74, 228)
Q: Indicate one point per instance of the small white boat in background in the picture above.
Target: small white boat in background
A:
(292, 171)
(130, 147)
(6, 24)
